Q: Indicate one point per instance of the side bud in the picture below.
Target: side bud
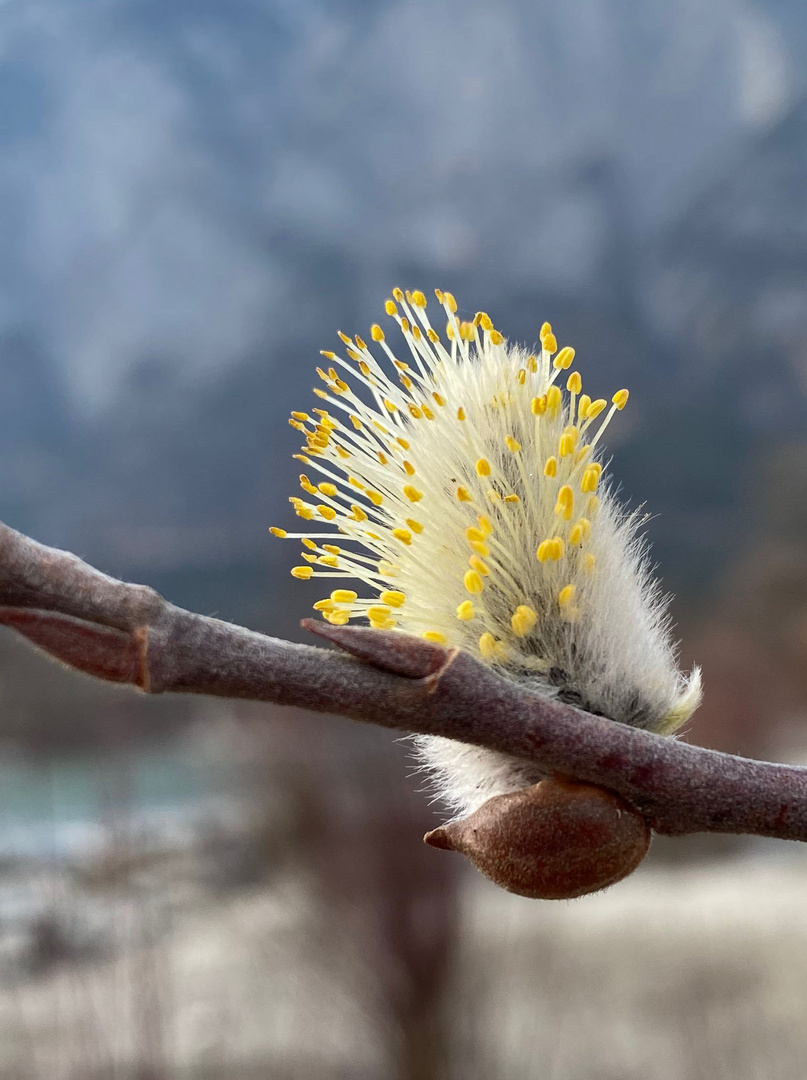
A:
(553, 841)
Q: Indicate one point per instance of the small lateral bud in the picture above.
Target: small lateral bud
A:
(553, 841)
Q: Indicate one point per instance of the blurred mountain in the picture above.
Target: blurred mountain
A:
(195, 195)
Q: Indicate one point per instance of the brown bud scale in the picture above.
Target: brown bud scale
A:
(553, 841)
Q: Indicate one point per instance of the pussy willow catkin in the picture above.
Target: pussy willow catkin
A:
(459, 494)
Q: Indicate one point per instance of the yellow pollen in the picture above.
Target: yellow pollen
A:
(338, 618)
(409, 468)
(418, 299)
(327, 489)
(392, 597)
(551, 467)
(620, 398)
(566, 596)
(375, 497)
(412, 493)
(538, 405)
(487, 645)
(513, 445)
(496, 338)
(323, 605)
(378, 613)
(549, 343)
(414, 411)
(439, 399)
(480, 548)
(582, 407)
(326, 511)
(302, 572)
(484, 524)
(565, 504)
(595, 408)
(553, 400)
(398, 294)
(484, 320)
(342, 453)
(474, 535)
(460, 413)
(436, 637)
(523, 620)
(532, 364)
(355, 421)
(427, 412)
(574, 384)
(589, 563)
(308, 543)
(546, 328)
(476, 564)
(402, 443)
(277, 532)
(308, 558)
(473, 582)
(404, 535)
(301, 416)
(326, 560)
(566, 445)
(564, 358)
(483, 467)
(390, 406)
(358, 513)
(589, 481)
(592, 506)
(465, 611)
(450, 302)
(415, 526)
(405, 325)
(320, 393)
(463, 494)
(512, 498)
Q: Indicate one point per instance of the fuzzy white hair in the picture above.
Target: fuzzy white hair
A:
(473, 488)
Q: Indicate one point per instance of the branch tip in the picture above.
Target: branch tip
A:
(402, 654)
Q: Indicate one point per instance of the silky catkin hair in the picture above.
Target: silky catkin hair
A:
(461, 490)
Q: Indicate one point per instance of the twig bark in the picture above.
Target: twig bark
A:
(130, 634)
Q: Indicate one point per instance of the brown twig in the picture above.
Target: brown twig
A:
(129, 634)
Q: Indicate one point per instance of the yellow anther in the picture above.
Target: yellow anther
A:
(390, 308)
(382, 457)
(323, 605)
(416, 334)
(409, 468)
(326, 560)
(375, 497)
(297, 425)
(580, 531)
(589, 481)
(412, 493)
(463, 494)
(549, 343)
(414, 411)
(546, 328)
(390, 406)
(277, 532)
(327, 489)
(538, 405)
(476, 564)
(480, 548)
(551, 467)
(327, 512)
(432, 335)
(465, 611)
(301, 416)
(513, 445)
(483, 467)
(320, 393)
(485, 524)
(398, 294)
(450, 302)
(597, 467)
(305, 512)
(439, 399)
(522, 376)
(484, 320)
(558, 548)
(376, 333)
(592, 506)
(474, 535)
(553, 400)
(565, 505)
(564, 358)
(302, 572)
(307, 557)
(544, 552)
(344, 338)
(392, 597)
(308, 543)
(473, 582)
(306, 485)
(582, 407)
(620, 398)
(589, 562)
(487, 645)
(382, 624)
(337, 618)
(574, 384)
(512, 498)
(378, 612)
(532, 364)
(595, 408)
(404, 535)
(439, 294)
(358, 513)
(467, 331)
(566, 596)
(332, 549)
(388, 569)
(361, 342)
(427, 412)
(566, 444)
(405, 325)
(418, 299)
(496, 338)
(414, 525)
(436, 637)
(460, 413)
(584, 451)
(523, 620)
(342, 453)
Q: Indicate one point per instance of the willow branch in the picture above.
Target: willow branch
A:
(129, 634)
